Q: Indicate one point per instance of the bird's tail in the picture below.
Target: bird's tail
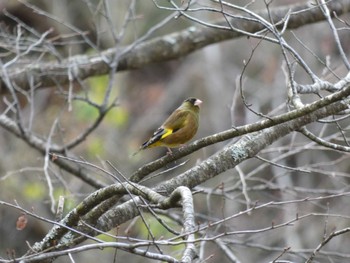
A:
(139, 150)
(145, 145)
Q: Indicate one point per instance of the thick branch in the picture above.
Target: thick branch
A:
(160, 49)
(238, 131)
(228, 158)
(184, 194)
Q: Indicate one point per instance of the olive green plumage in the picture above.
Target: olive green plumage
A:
(178, 128)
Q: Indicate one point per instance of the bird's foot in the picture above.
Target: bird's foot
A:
(182, 146)
(169, 152)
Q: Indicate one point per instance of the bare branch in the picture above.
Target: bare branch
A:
(160, 49)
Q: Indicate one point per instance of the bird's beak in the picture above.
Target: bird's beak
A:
(198, 102)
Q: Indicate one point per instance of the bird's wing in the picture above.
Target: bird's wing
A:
(159, 134)
(176, 121)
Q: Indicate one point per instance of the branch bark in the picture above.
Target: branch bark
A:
(159, 49)
(226, 159)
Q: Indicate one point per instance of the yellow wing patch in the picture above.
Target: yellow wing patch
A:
(167, 132)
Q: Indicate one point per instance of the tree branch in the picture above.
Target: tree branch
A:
(160, 49)
(226, 159)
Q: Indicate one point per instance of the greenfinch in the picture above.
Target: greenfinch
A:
(178, 128)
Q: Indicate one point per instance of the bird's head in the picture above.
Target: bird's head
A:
(193, 102)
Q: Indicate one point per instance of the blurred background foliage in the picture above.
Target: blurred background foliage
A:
(144, 98)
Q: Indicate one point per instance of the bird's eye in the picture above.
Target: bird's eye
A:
(192, 101)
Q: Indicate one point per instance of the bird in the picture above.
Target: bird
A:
(178, 128)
